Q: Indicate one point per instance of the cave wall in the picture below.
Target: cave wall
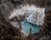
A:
(48, 15)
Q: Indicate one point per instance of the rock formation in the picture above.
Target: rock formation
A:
(48, 16)
(7, 31)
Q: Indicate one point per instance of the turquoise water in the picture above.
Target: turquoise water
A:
(26, 27)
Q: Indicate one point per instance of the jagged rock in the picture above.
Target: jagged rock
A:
(7, 31)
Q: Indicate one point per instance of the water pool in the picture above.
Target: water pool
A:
(26, 27)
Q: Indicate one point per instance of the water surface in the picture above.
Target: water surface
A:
(26, 27)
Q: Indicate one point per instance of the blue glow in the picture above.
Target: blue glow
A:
(26, 27)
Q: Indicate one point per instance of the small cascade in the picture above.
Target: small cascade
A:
(28, 17)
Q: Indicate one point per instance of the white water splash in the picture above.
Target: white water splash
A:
(35, 14)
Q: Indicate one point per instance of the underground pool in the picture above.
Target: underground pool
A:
(26, 27)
